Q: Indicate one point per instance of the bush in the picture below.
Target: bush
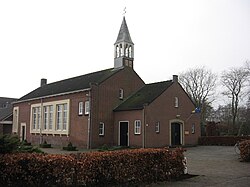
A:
(45, 145)
(245, 150)
(12, 144)
(9, 143)
(70, 147)
(221, 140)
(92, 169)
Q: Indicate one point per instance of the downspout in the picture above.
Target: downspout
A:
(89, 120)
(144, 125)
(41, 122)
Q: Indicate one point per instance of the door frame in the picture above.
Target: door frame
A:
(119, 132)
(182, 140)
(23, 133)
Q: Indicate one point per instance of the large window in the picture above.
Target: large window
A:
(62, 110)
(50, 117)
(137, 127)
(36, 116)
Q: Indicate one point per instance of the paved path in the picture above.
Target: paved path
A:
(217, 166)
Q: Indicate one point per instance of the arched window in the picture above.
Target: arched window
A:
(130, 51)
(176, 102)
(121, 53)
(117, 50)
(126, 50)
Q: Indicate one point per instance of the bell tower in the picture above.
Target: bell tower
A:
(123, 48)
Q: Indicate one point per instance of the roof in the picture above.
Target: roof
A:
(70, 85)
(5, 107)
(145, 95)
(5, 112)
(124, 33)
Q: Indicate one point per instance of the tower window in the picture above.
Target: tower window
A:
(117, 51)
(121, 52)
(126, 50)
(130, 51)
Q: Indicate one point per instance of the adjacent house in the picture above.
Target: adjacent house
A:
(6, 115)
(112, 106)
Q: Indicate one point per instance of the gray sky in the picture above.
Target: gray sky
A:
(58, 39)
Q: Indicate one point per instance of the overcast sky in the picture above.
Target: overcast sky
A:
(58, 39)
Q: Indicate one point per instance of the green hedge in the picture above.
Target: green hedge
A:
(92, 169)
(221, 140)
(245, 150)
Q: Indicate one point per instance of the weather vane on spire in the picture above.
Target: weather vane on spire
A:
(124, 11)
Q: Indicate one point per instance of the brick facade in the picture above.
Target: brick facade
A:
(162, 111)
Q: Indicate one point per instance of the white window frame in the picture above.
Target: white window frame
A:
(80, 108)
(137, 127)
(86, 107)
(176, 102)
(101, 129)
(15, 119)
(52, 127)
(157, 127)
(121, 93)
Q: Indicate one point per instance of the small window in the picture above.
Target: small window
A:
(176, 102)
(193, 128)
(121, 93)
(101, 129)
(86, 107)
(137, 127)
(80, 108)
(157, 127)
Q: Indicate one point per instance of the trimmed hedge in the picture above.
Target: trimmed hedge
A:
(245, 150)
(221, 140)
(92, 169)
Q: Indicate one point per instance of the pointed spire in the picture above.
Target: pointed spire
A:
(124, 35)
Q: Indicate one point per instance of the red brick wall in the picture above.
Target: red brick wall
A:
(77, 124)
(162, 110)
(135, 140)
(105, 97)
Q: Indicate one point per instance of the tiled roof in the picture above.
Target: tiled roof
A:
(145, 95)
(124, 35)
(70, 85)
(5, 107)
(5, 112)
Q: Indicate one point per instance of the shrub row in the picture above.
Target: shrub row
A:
(221, 140)
(92, 169)
(245, 150)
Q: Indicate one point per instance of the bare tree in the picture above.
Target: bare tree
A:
(200, 85)
(235, 82)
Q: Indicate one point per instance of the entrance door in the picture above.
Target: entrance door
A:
(123, 133)
(175, 134)
(23, 132)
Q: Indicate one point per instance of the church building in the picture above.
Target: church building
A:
(112, 106)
